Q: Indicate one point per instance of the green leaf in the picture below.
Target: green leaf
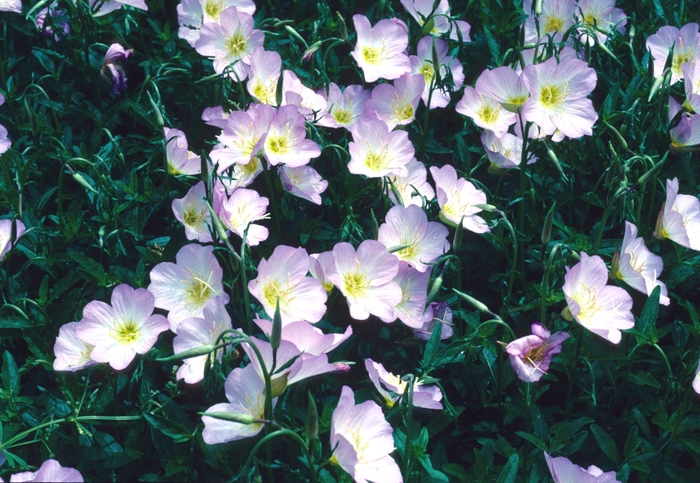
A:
(632, 442)
(93, 270)
(644, 378)
(169, 428)
(647, 321)
(510, 470)
(433, 345)
(15, 323)
(606, 443)
(10, 374)
(533, 439)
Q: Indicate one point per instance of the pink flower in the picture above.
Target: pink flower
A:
(120, 331)
(413, 187)
(180, 160)
(306, 337)
(442, 313)
(504, 152)
(376, 152)
(414, 295)
(410, 225)
(362, 440)
(286, 139)
(243, 136)
(192, 212)
(397, 104)
(393, 387)
(685, 44)
(366, 278)
(101, 7)
(556, 18)
(264, 73)
(192, 14)
(5, 142)
(679, 218)
(634, 264)
(486, 112)
(50, 470)
(11, 6)
(603, 309)
(505, 86)
(304, 182)
(426, 11)
(422, 63)
(240, 211)
(379, 50)
(284, 278)
(111, 70)
(696, 379)
(531, 355)
(319, 265)
(344, 108)
(600, 18)
(687, 131)
(72, 354)
(564, 471)
(6, 241)
(558, 97)
(308, 103)
(457, 198)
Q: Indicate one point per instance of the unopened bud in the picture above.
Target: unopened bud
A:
(342, 28)
(156, 111)
(477, 304)
(309, 53)
(311, 419)
(659, 232)
(566, 314)
(279, 384)
(240, 418)
(547, 228)
(615, 266)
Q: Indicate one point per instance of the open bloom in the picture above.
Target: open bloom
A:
(304, 182)
(185, 287)
(505, 152)
(679, 218)
(564, 471)
(457, 198)
(120, 331)
(376, 152)
(284, 278)
(414, 295)
(192, 14)
(379, 50)
(603, 309)
(600, 18)
(192, 212)
(243, 136)
(180, 160)
(393, 387)
(397, 104)
(634, 264)
(264, 73)
(286, 139)
(556, 18)
(486, 112)
(505, 86)
(448, 66)
(50, 470)
(111, 69)
(685, 44)
(362, 439)
(306, 337)
(6, 241)
(72, 354)
(239, 212)
(531, 355)
(344, 108)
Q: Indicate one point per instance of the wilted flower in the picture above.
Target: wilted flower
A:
(687, 131)
(531, 355)
(457, 198)
(603, 309)
(50, 470)
(393, 387)
(362, 439)
(72, 354)
(441, 313)
(6, 242)
(379, 50)
(685, 44)
(564, 471)
(120, 331)
(53, 21)
(679, 218)
(111, 70)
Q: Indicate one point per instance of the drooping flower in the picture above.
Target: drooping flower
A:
(192, 212)
(486, 112)
(379, 50)
(366, 278)
(634, 264)
(344, 108)
(245, 392)
(53, 21)
(393, 387)
(441, 313)
(558, 97)
(72, 354)
(376, 152)
(192, 14)
(230, 42)
(362, 440)
(112, 71)
(264, 74)
(286, 139)
(284, 278)
(6, 241)
(304, 182)
(397, 104)
(50, 470)
(422, 63)
(195, 332)
(410, 225)
(685, 44)
(564, 471)
(413, 187)
(531, 355)
(457, 198)
(120, 331)
(603, 309)
(185, 287)
(679, 218)
(241, 210)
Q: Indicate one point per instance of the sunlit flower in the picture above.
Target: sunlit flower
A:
(379, 50)
(72, 354)
(180, 159)
(103, 7)
(422, 63)
(413, 187)
(245, 392)
(556, 18)
(362, 440)
(392, 387)
(486, 112)
(306, 337)
(243, 136)
(558, 97)
(185, 287)
(344, 108)
(685, 44)
(264, 74)
(696, 379)
(441, 313)
(319, 265)
(376, 152)
(437, 17)
(531, 355)
(679, 218)
(120, 331)
(366, 278)
(308, 103)
(457, 197)
(505, 86)
(6, 241)
(50, 470)
(195, 332)
(687, 131)
(414, 295)
(603, 309)
(410, 226)
(634, 264)
(564, 471)
(397, 104)
(286, 139)
(504, 152)
(11, 6)
(304, 182)
(111, 69)
(691, 83)
(231, 41)
(215, 116)
(240, 176)
(192, 14)
(283, 278)
(192, 212)
(241, 210)
(600, 18)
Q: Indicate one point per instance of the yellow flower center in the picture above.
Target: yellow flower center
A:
(213, 9)
(191, 216)
(126, 332)
(235, 45)
(355, 284)
(407, 253)
(587, 300)
(553, 24)
(342, 116)
(265, 94)
(679, 59)
(250, 168)
(371, 55)
(488, 113)
(402, 110)
(198, 291)
(428, 72)
(552, 96)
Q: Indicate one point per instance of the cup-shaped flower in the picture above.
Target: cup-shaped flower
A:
(6, 241)
(192, 212)
(564, 471)
(691, 83)
(376, 152)
(457, 198)
(264, 73)
(195, 332)
(687, 131)
(556, 18)
(239, 212)
(414, 295)
(362, 440)
(243, 136)
(185, 287)
(344, 108)
(306, 337)
(392, 387)
(245, 392)
(286, 139)
(283, 278)
(504, 152)
(179, 159)
(192, 14)
(413, 187)
(634, 264)
(50, 470)
(304, 182)
(448, 66)
(435, 18)
(379, 50)
(441, 313)
(231, 41)
(485, 111)
(111, 69)
(531, 355)
(366, 278)
(308, 103)
(599, 19)
(558, 97)
(410, 225)
(505, 86)
(603, 309)
(685, 44)
(120, 331)
(72, 354)
(679, 218)
(397, 104)
(319, 265)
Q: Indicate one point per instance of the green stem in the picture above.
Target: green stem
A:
(408, 448)
(606, 213)
(267, 439)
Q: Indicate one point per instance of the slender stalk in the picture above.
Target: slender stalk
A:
(269, 437)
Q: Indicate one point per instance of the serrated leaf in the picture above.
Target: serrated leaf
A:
(510, 470)
(605, 441)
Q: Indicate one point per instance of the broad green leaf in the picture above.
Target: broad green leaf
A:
(10, 374)
(607, 444)
(647, 321)
(510, 470)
